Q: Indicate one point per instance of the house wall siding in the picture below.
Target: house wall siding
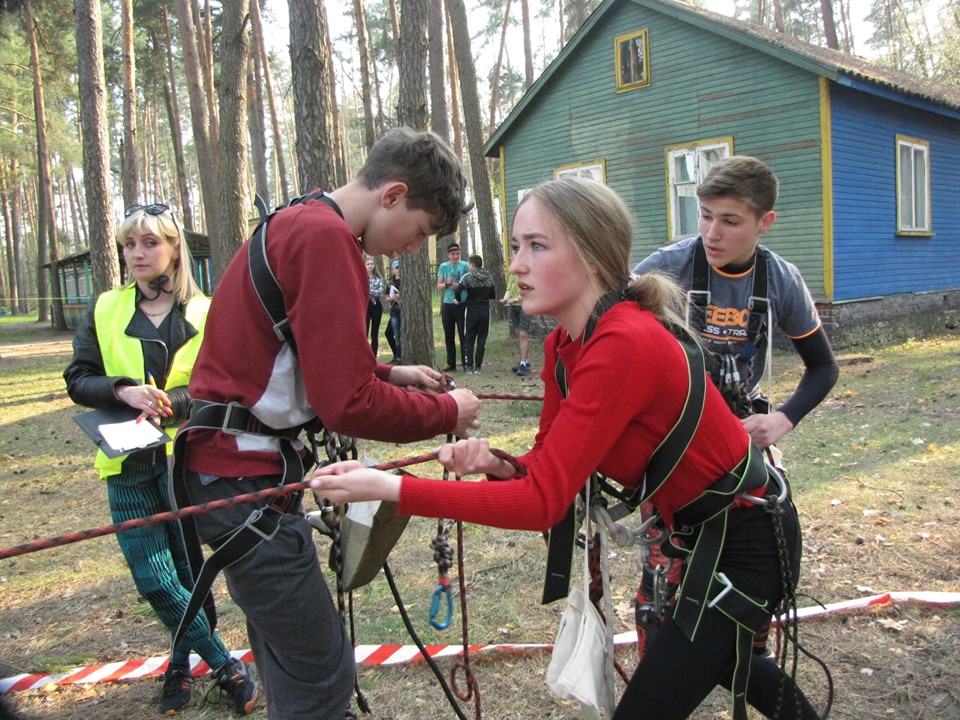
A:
(870, 260)
(702, 86)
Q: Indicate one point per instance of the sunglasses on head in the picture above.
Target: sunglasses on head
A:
(154, 209)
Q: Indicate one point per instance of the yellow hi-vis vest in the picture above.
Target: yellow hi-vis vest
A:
(123, 354)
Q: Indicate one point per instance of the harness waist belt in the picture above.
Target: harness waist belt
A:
(234, 419)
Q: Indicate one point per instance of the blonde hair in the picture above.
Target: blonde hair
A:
(165, 225)
(599, 226)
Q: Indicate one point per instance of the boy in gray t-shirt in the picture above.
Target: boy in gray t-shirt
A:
(736, 208)
(721, 269)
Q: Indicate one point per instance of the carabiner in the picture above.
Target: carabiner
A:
(442, 589)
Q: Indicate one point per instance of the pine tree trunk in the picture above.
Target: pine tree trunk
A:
(311, 95)
(234, 202)
(455, 115)
(129, 173)
(527, 47)
(360, 20)
(482, 194)
(104, 263)
(418, 278)
(259, 49)
(207, 155)
(495, 83)
(829, 27)
(258, 141)
(172, 101)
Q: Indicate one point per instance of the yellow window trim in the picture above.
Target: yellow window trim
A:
(645, 82)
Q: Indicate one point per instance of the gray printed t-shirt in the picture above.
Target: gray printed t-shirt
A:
(725, 331)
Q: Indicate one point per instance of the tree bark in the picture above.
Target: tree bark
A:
(455, 114)
(311, 94)
(172, 101)
(482, 193)
(261, 50)
(439, 119)
(360, 22)
(495, 83)
(207, 155)
(339, 158)
(129, 174)
(527, 46)
(10, 295)
(104, 263)
(205, 59)
(258, 141)
(418, 279)
(234, 44)
(829, 27)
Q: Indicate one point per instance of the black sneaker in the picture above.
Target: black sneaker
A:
(234, 680)
(522, 369)
(177, 690)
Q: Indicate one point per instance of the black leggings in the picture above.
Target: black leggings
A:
(676, 674)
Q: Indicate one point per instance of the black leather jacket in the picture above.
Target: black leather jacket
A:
(87, 381)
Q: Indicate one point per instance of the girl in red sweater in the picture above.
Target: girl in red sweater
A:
(626, 388)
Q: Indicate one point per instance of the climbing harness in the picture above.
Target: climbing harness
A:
(725, 367)
(699, 527)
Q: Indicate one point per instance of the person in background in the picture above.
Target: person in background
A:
(375, 305)
(151, 329)
(521, 321)
(451, 304)
(410, 188)
(479, 289)
(737, 198)
(393, 325)
(627, 377)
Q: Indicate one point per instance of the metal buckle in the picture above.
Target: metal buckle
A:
(278, 329)
(224, 426)
(723, 593)
(254, 517)
(774, 474)
(758, 304)
(700, 298)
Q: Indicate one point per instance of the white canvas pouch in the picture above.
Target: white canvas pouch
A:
(582, 650)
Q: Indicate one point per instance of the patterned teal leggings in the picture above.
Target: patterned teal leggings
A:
(157, 560)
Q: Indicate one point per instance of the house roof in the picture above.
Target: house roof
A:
(842, 68)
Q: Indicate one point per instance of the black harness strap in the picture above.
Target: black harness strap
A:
(264, 281)
(701, 581)
(262, 523)
(758, 304)
(662, 463)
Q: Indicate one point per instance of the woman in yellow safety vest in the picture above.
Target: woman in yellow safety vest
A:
(136, 347)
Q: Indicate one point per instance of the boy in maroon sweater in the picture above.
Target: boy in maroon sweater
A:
(410, 188)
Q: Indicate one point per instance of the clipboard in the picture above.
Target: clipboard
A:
(149, 436)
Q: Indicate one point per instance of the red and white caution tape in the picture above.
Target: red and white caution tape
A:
(397, 654)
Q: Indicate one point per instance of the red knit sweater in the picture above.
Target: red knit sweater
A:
(626, 389)
(319, 264)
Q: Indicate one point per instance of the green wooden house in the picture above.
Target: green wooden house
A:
(650, 92)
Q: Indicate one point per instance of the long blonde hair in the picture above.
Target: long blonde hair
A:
(165, 225)
(599, 226)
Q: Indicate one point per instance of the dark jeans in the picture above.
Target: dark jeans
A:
(677, 673)
(374, 313)
(476, 328)
(393, 333)
(451, 317)
(301, 649)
